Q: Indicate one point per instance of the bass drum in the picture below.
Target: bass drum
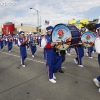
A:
(88, 39)
(76, 35)
(62, 36)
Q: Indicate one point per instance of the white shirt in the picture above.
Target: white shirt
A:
(97, 45)
(43, 42)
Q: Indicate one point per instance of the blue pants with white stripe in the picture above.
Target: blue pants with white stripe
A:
(1, 45)
(5, 42)
(23, 53)
(33, 49)
(90, 49)
(80, 53)
(40, 42)
(9, 46)
(98, 78)
(53, 62)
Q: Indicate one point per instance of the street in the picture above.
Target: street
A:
(31, 82)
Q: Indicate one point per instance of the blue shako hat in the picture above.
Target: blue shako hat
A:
(98, 26)
(21, 32)
(49, 28)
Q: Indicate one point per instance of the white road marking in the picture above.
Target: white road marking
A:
(26, 58)
(63, 67)
(19, 57)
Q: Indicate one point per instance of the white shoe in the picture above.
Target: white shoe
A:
(23, 65)
(54, 77)
(87, 54)
(80, 65)
(99, 89)
(52, 80)
(96, 82)
(75, 61)
(32, 55)
(91, 57)
(9, 51)
(93, 52)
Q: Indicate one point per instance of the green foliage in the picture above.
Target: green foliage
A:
(90, 26)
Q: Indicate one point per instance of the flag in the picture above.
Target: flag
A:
(47, 22)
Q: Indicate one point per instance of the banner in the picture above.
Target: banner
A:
(78, 23)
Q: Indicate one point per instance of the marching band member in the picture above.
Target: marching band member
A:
(32, 45)
(22, 41)
(53, 61)
(90, 51)
(13, 39)
(80, 53)
(17, 38)
(91, 28)
(9, 42)
(5, 42)
(97, 47)
(1, 42)
(39, 40)
(36, 38)
(27, 39)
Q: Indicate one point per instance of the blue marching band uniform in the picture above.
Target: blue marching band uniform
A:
(97, 48)
(53, 61)
(91, 50)
(32, 44)
(22, 42)
(80, 53)
(4, 40)
(9, 42)
(1, 42)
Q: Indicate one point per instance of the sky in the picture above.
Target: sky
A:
(56, 11)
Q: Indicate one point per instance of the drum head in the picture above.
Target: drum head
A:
(87, 39)
(61, 33)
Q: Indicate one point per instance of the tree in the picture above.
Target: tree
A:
(90, 26)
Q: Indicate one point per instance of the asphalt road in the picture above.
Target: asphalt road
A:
(31, 82)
